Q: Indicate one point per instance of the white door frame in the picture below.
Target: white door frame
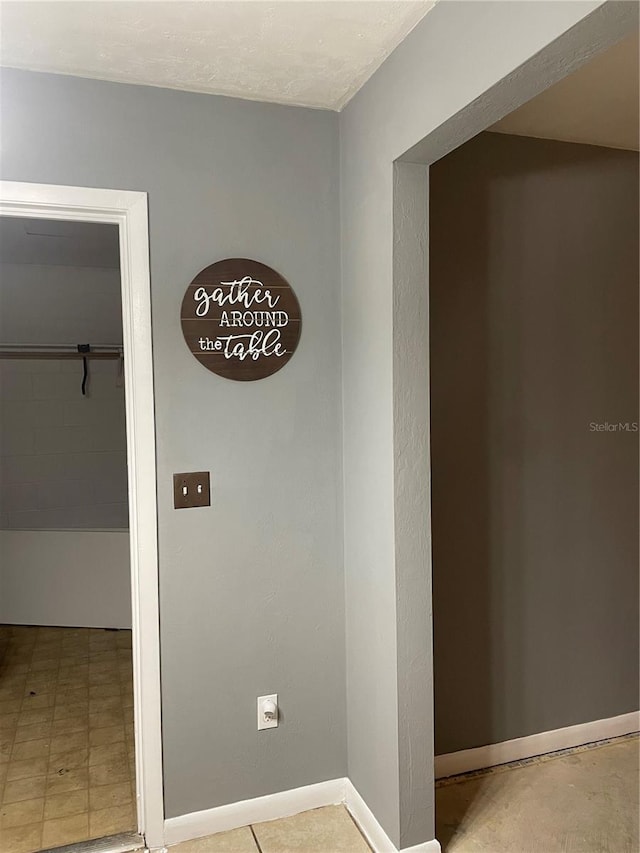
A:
(128, 210)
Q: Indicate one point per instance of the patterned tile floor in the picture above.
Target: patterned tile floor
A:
(327, 830)
(67, 769)
(583, 800)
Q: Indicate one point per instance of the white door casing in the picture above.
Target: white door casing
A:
(128, 210)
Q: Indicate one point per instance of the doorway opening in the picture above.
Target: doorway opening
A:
(533, 285)
(78, 571)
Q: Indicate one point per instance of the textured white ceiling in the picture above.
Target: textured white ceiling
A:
(597, 105)
(315, 53)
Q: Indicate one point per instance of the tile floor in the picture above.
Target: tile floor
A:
(67, 769)
(585, 800)
(327, 830)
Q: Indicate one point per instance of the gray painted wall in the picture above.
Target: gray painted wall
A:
(62, 455)
(252, 594)
(465, 66)
(252, 588)
(534, 336)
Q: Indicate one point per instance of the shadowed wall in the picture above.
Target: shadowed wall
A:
(534, 307)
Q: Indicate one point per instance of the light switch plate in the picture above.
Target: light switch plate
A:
(191, 490)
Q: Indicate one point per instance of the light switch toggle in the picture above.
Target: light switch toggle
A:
(191, 490)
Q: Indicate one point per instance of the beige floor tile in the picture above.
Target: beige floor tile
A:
(21, 839)
(103, 665)
(111, 821)
(97, 646)
(109, 703)
(107, 752)
(235, 841)
(65, 804)
(65, 830)
(74, 659)
(66, 725)
(45, 665)
(106, 796)
(74, 671)
(103, 677)
(17, 668)
(46, 651)
(318, 831)
(21, 813)
(40, 700)
(109, 773)
(33, 732)
(24, 789)
(106, 735)
(104, 691)
(72, 696)
(70, 741)
(39, 715)
(6, 746)
(49, 680)
(30, 749)
(8, 721)
(63, 712)
(12, 690)
(40, 682)
(70, 760)
(109, 657)
(26, 769)
(106, 719)
(71, 682)
(67, 780)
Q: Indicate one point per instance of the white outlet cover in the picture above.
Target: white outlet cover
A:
(267, 724)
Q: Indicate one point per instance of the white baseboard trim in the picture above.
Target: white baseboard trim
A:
(334, 791)
(285, 804)
(257, 810)
(377, 838)
(454, 763)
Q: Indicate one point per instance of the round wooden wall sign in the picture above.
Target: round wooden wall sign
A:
(241, 319)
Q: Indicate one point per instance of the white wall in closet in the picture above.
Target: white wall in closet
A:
(63, 469)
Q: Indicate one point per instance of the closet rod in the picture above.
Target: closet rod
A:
(59, 351)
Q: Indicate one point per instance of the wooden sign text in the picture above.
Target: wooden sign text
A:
(241, 319)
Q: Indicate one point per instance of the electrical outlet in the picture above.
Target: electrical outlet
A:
(268, 712)
(191, 490)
